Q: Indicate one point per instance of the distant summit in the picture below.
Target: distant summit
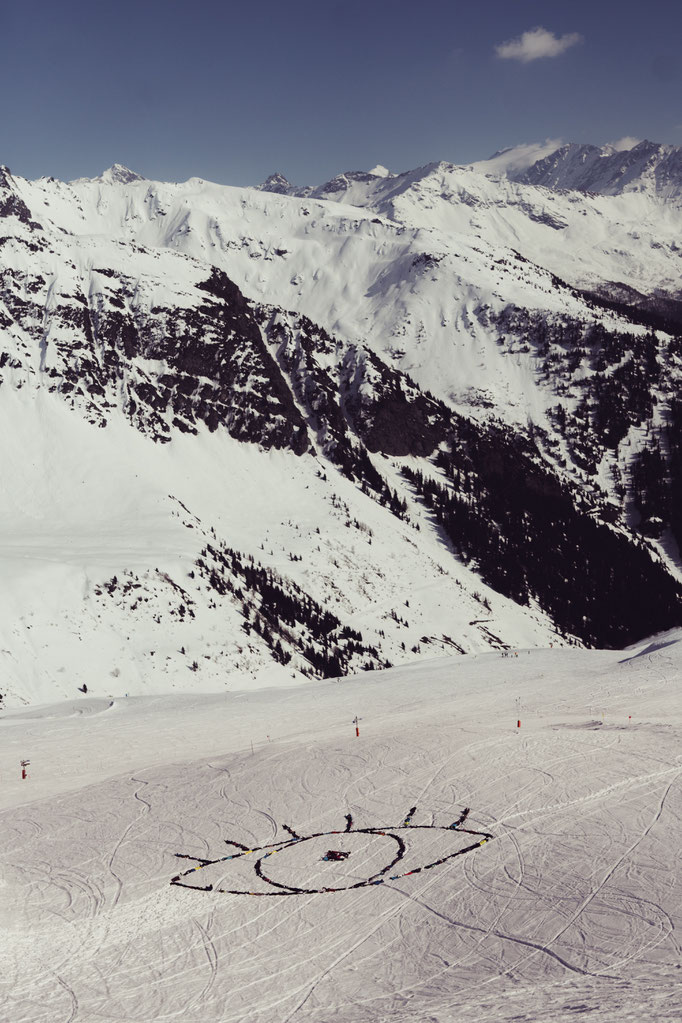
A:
(276, 183)
(117, 174)
(280, 185)
(120, 175)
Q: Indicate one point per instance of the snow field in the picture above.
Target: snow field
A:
(89, 505)
(572, 907)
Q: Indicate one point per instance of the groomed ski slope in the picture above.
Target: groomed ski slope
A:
(570, 911)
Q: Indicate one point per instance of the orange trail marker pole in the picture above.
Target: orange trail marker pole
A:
(356, 721)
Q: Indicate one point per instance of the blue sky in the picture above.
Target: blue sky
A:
(231, 92)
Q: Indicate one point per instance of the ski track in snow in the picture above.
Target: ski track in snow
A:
(571, 908)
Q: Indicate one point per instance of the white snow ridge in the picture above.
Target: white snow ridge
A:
(341, 597)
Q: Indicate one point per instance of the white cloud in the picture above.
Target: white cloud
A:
(627, 142)
(536, 43)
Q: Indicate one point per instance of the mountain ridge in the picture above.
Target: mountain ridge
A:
(606, 170)
(426, 358)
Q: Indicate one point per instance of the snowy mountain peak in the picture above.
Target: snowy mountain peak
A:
(280, 185)
(120, 175)
(117, 174)
(277, 183)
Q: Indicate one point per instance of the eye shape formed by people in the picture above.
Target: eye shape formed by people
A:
(332, 861)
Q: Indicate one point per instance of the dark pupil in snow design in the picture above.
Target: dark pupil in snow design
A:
(380, 850)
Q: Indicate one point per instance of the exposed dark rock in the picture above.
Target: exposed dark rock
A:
(387, 410)
(12, 205)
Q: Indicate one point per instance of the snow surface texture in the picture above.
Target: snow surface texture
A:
(570, 910)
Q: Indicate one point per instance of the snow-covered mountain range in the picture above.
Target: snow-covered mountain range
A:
(643, 166)
(257, 433)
